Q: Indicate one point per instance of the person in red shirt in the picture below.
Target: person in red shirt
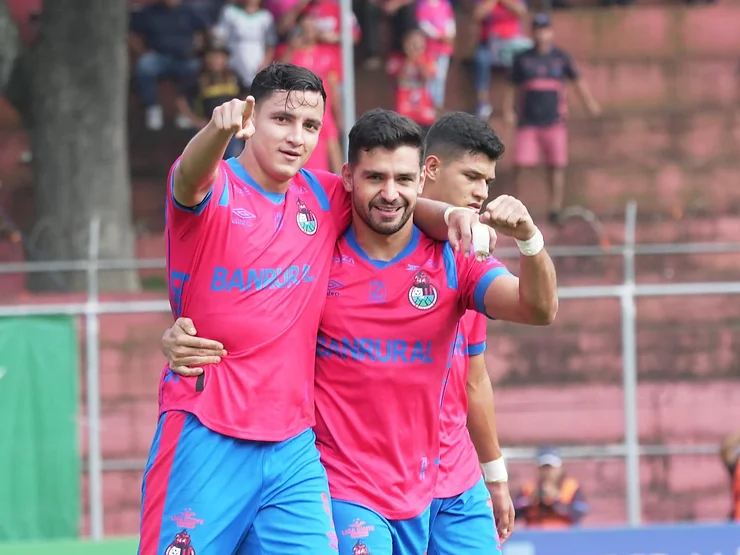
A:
(413, 70)
(501, 38)
(304, 50)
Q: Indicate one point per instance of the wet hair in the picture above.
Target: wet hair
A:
(281, 76)
(458, 133)
(379, 128)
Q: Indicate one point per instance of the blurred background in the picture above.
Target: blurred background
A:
(632, 398)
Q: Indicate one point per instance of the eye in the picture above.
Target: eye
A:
(281, 119)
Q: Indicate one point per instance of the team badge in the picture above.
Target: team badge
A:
(181, 545)
(360, 549)
(422, 295)
(306, 219)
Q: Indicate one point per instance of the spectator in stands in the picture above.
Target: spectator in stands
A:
(166, 34)
(248, 31)
(554, 500)
(501, 38)
(216, 84)
(413, 71)
(730, 452)
(327, 16)
(304, 50)
(437, 21)
(402, 14)
(538, 80)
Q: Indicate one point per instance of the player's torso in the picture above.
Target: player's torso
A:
(458, 468)
(383, 354)
(254, 277)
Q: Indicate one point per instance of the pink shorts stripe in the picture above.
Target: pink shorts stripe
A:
(157, 481)
(534, 145)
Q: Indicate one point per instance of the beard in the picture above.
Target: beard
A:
(378, 221)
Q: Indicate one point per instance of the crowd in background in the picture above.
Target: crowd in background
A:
(213, 49)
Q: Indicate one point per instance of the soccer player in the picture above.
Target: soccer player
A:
(249, 246)
(394, 300)
(461, 153)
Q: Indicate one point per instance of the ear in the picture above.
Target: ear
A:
(432, 166)
(347, 178)
(422, 180)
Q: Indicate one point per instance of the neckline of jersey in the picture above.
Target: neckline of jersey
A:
(410, 247)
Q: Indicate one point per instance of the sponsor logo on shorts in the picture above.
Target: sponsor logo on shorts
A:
(360, 549)
(180, 545)
(187, 519)
(358, 529)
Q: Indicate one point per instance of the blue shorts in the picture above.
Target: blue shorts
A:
(362, 531)
(220, 495)
(464, 524)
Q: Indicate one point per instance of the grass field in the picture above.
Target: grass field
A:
(71, 547)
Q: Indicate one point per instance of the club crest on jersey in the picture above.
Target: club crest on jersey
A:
(422, 295)
(306, 219)
(360, 549)
(181, 545)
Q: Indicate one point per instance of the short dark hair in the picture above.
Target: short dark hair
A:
(458, 133)
(281, 76)
(385, 129)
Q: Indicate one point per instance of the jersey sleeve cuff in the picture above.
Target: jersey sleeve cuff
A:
(479, 296)
(198, 208)
(476, 349)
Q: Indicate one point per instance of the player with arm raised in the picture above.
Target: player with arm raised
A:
(249, 246)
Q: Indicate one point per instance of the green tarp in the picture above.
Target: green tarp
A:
(39, 452)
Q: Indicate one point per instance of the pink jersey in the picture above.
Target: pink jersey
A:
(437, 19)
(384, 349)
(251, 268)
(459, 469)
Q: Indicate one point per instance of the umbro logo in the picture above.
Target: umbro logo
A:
(242, 216)
(331, 290)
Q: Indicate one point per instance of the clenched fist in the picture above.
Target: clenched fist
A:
(508, 216)
(235, 116)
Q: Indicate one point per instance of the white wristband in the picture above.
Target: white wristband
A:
(448, 212)
(533, 246)
(495, 471)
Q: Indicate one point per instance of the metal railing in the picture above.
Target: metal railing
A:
(627, 292)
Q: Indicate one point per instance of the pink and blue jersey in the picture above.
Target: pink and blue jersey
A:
(251, 268)
(459, 469)
(384, 351)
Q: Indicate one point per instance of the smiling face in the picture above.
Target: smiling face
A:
(287, 126)
(385, 185)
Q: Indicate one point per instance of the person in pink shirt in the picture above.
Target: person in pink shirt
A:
(387, 336)
(304, 50)
(437, 21)
(461, 156)
(250, 242)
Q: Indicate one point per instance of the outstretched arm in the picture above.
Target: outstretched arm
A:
(197, 168)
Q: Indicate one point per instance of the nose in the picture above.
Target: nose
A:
(389, 192)
(480, 191)
(295, 136)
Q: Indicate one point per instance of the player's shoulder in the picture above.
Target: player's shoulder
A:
(322, 184)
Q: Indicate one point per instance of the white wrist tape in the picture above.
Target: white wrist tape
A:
(533, 246)
(481, 239)
(495, 471)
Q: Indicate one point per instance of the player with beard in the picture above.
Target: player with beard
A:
(394, 301)
(249, 246)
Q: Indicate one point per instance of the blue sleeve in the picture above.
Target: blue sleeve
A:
(479, 296)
